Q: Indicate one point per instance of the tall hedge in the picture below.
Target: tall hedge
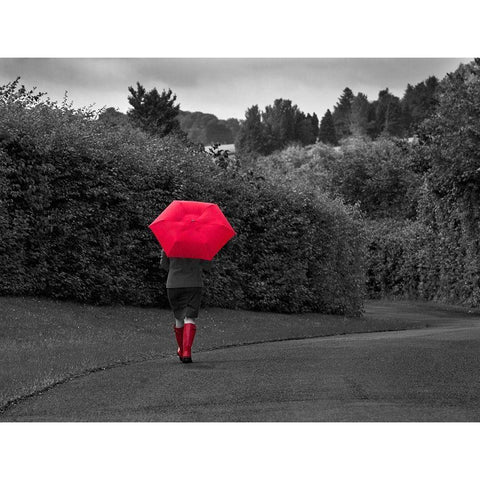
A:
(437, 256)
(77, 196)
(401, 262)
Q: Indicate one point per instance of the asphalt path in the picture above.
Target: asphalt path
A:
(415, 375)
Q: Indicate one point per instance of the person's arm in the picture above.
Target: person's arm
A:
(165, 262)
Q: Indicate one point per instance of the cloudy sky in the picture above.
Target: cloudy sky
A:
(225, 87)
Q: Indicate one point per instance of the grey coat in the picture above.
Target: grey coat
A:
(184, 272)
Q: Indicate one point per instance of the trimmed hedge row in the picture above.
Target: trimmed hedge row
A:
(77, 196)
(416, 260)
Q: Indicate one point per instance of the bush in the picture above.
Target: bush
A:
(295, 252)
(376, 175)
(399, 260)
(77, 196)
(379, 176)
(430, 258)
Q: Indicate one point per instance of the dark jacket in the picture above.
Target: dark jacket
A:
(184, 272)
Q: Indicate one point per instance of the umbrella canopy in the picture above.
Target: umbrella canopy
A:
(192, 229)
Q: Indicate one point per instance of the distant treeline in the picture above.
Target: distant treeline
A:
(283, 124)
(206, 128)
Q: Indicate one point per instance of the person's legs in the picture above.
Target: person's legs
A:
(189, 331)
(190, 328)
(178, 328)
(177, 299)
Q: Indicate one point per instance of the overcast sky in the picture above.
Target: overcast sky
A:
(224, 87)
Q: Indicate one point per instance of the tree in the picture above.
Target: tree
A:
(218, 132)
(388, 114)
(449, 158)
(14, 92)
(419, 102)
(278, 126)
(112, 116)
(304, 129)
(327, 132)
(234, 125)
(315, 127)
(359, 121)
(252, 137)
(450, 139)
(153, 112)
(206, 128)
(342, 114)
(280, 121)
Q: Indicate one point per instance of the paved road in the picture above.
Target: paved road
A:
(418, 375)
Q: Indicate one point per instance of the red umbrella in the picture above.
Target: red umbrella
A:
(192, 229)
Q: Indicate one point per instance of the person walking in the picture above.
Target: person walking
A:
(184, 292)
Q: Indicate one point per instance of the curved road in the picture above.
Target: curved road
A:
(417, 375)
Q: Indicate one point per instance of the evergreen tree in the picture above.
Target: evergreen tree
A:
(406, 105)
(419, 102)
(342, 114)
(252, 137)
(388, 114)
(359, 121)
(327, 132)
(279, 125)
(315, 126)
(280, 121)
(152, 112)
(372, 130)
(304, 129)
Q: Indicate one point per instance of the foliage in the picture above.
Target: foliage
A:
(377, 176)
(342, 113)
(77, 196)
(388, 114)
(400, 261)
(418, 103)
(207, 129)
(113, 117)
(223, 158)
(360, 123)
(153, 112)
(14, 92)
(449, 156)
(252, 137)
(327, 133)
(280, 125)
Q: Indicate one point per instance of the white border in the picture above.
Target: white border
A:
(238, 451)
(250, 28)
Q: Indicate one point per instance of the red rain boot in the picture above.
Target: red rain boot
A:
(179, 337)
(188, 335)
